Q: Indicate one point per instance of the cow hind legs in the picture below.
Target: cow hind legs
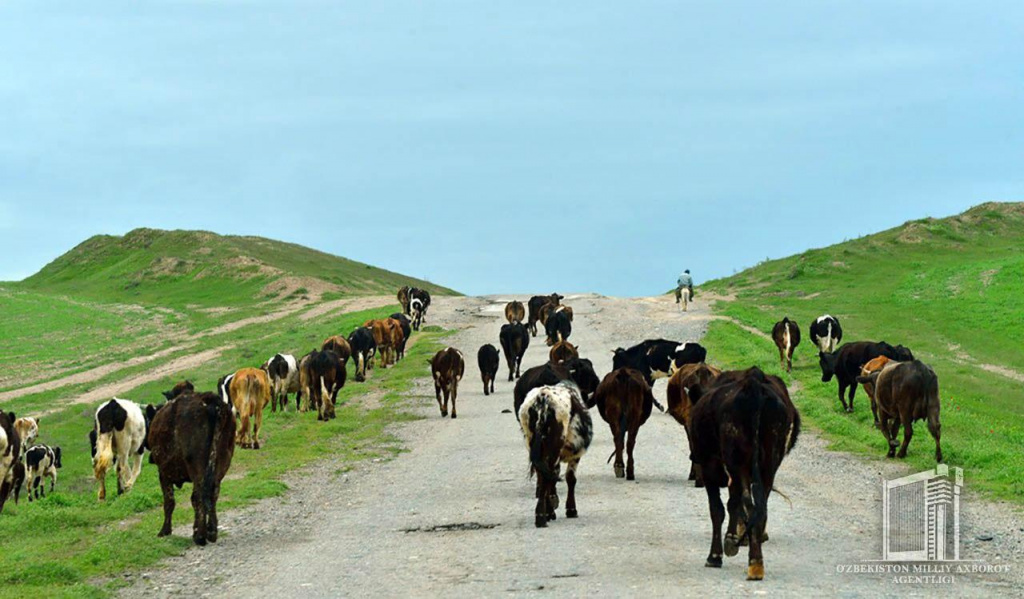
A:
(199, 524)
(168, 491)
(936, 430)
(570, 499)
(717, 517)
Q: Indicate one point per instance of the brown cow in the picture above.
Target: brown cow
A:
(326, 377)
(545, 311)
(387, 334)
(515, 312)
(179, 389)
(873, 365)
(906, 392)
(339, 345)
(625, 401)
(397, 332)
(562, 351)
(742, 428)
(695, 377)
(250, 393)
(447, 368)
(191, 439)
(404, 297)
(786, 335)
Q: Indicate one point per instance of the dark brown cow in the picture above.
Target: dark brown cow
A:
(906, 392)
(625, 401)
(680, 404)
(742, 428)
(406, 325)
(535, 304)
(487, 360)
(515, 312)
(566, 309)
(326, 378)
(562, 351)
(192, 440)
(339, 345)
(447, 367)
(786, 335)
(10, 455)
(557, 328)
(577, 370)
(514, 340)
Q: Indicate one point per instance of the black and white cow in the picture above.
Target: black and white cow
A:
(418, 303)
(658, 358)
(826, 333)
(41, 461)
(119, 437)
(284, 379)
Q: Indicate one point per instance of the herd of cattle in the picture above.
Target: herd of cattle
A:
(739, 424)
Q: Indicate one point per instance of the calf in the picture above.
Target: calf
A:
(487, 360)
(514, 340)
(327, 377)
(119, 436)
(28, 431)
(845, 364)
(515, 312)
(577, 370)
(404, 297)
(406, 324)
(625, 401)
(250, 393)
(683, 389)
(562, 351)
(192, 439)
(363, 347)
(826, 333)
(658, 358)
(786, 336)
(558, 327)
(742, 428)
(284, 379)
(557, 428)
(339, 345)
(906, 392)
(447, 368)
(535, 304)
(10, 454)
(179, 389)
(41, 461)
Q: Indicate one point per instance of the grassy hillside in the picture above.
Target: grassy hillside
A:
(950, 289)
(198, 269)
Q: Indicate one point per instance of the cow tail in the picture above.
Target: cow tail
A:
(757, 490)
(104, 454)
(210, 478)
(620, 437)
(537, 464)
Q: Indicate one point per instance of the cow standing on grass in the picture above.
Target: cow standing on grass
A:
(625, 401)
(192, 439)
(250, 392)
(487, 359)
(514, 340)
(284, 379)
(557, 428)
(326, 379)
(786, 336)
(826, 333)
(28, 431)
(41, 461)
(846, 363)
(10, 452)
(119, 436)
(406, 325)
(906, 392)
(363, 347)
(742, 428)
(447, 369)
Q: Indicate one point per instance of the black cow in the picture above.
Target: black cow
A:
(826, 333)
(514, 341)
(328, 377)
(406, 331)
(558, 327)
(487, 360)
(742, 428)
(658, 358)
(535, 304)
(577, 370)
(363, 348)
(845, 364)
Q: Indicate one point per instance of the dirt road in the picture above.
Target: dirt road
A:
(454, 516)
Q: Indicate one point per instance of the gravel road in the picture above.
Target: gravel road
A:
(454, 515)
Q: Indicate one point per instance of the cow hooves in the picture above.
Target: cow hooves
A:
(755, 572)
(454, 416)
(163, 533)
(541, 522)
(571, 513)
(849, 410)
(699, 484)
(256, 445)
(630, 476)
(620, 472)
(713, 562)
(552, 516)
(211, 537)
(199, 540)
(732, 545)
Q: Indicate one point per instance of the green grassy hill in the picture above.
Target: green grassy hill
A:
(950, 289)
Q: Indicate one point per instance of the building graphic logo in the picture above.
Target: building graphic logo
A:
(921, 516)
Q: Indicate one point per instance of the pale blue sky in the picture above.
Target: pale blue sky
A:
(506, 146)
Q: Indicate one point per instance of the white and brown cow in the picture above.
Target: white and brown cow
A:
(786, 336)
(28, 431)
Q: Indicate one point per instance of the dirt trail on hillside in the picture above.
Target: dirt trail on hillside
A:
(454, 515)
(184, 363)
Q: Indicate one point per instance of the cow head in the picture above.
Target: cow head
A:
(903, 354)
(828, 366)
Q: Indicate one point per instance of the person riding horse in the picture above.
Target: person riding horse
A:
(684, 280)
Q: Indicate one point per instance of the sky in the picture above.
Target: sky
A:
(506, 146)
